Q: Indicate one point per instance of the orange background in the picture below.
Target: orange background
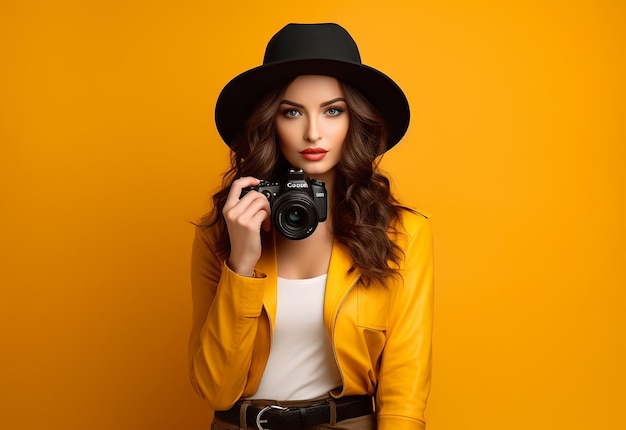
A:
(517, 146)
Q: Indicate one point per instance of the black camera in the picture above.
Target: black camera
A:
(297, 205)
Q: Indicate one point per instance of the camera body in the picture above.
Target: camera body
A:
(297, 205)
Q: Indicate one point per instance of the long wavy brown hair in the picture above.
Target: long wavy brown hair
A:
(364, 208)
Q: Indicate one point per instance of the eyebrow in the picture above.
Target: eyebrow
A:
(298, 105)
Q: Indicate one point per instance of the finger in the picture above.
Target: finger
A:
(261, 220)
(242, 209)
(262, 205)
(266, 224)
(237, 186)
(254, 210)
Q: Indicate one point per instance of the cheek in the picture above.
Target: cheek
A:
(340, 131)
(286, 132)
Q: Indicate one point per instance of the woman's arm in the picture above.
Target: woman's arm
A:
(226, 308)
(227, 299)
(404, 381)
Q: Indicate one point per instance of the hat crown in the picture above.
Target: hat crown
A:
(312, 41)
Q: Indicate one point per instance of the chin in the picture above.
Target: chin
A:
(316, 170)
(323, 174)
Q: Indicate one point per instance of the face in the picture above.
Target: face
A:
(312, 122)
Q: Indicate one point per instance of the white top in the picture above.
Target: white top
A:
(301, 365)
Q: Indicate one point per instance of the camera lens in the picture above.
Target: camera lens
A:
(294, 215)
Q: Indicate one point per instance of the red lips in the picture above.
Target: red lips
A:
(313, 151)
(313, 154)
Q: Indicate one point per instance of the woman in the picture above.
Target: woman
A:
(317, 315)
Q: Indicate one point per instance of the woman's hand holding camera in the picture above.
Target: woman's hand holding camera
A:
(244, 219)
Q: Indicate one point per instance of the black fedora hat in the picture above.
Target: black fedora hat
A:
(311, 49)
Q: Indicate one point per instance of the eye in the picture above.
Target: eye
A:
(334, 111)
(291, 113)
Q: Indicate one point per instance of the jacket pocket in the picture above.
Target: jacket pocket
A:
(372, 308)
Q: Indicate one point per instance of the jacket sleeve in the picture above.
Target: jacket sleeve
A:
(226, 310)
(404, 381)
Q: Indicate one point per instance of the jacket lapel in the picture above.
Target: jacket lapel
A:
(268, 265)
(338, 284)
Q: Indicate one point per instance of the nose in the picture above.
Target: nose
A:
(312, 133)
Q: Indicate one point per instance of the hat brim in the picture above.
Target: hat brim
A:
(243, 92)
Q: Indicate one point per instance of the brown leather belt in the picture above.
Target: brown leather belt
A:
(275, 417)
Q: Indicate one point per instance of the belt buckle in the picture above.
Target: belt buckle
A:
(259, 421)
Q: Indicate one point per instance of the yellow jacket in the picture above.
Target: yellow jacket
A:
(381, 337)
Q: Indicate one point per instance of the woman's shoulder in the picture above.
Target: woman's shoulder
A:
(207, 231)
(412, 217)
(412, 222)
